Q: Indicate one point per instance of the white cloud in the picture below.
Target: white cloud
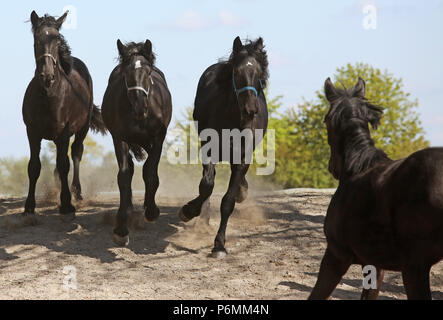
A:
(277, 59)
(192, 21)
(228, 19)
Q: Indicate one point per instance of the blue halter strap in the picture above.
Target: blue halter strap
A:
(248, 88)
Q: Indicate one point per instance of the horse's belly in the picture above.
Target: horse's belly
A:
(375, 245)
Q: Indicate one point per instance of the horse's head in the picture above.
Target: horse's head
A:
(347, 123)
(137, 61)
(50, 49)
(249, 75)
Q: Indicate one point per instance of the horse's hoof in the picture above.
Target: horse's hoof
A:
(68, 217)
(69, 209)
(29, 220)
(150, 222)
(121, 241)
(152, 216)
(219, 255)
(182, 216)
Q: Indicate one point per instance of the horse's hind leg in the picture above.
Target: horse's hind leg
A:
(242, 194)
(121, 232)
(76, 154)
(152, 182)
(34, 168)
(416, 281)
(193, 208)
(62, 143)
(372, 294)
(332, 269)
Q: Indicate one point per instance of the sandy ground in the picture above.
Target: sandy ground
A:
(275, 243)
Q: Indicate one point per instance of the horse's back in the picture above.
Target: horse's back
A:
(207, 92)
(79, 66)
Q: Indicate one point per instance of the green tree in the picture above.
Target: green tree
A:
(302, 160)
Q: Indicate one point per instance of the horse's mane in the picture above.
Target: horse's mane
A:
(136, 49)
(64, 50)
(249, 49)
(350, 116)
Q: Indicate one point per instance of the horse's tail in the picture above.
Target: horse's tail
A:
(97, 125)
(137, 151)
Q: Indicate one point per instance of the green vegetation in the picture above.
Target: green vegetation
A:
(302, 151)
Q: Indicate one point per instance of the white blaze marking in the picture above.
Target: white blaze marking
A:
(249, 63)
(138, 64)
(47, 33)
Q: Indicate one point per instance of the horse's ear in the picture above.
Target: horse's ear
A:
(238, 45)
(61, 20)
(147, 47)
(121, 48)
(34, 19)
(330, 91)
(259, 44)
(360, 88)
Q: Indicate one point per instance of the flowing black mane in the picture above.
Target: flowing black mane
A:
(64, 50)
(250, 48)
(136, 49)
(45, 21)
(349, 117)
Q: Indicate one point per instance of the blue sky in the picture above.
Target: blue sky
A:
(306, 41)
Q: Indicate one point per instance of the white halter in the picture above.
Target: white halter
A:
(47, 55)
(146, 92)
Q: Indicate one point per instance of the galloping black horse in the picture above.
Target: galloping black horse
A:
(137, 110)
(230, 96)
(387, 214)
(58, 104)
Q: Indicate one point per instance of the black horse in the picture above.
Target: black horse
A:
(58, 104)
(387, 214)
(137, 110)
(230, 96)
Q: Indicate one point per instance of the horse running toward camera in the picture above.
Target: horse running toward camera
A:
(385, 213)
(58, 103)
(137, 110)
(230, 96)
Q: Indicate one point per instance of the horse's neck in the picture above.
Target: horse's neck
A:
(360, 154)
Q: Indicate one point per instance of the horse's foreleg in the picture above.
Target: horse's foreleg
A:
(34, 168)
(125, 172)
(76, 154)
(372, 294)
(416, 281)
(152, 182)
(227, 207)
(193, 209)
(332, 269)
(62, 143)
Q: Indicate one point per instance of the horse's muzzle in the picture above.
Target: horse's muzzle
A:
(47, 80)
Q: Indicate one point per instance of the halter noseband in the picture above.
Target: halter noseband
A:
(244, 89)
(139, 88)
(48, 55)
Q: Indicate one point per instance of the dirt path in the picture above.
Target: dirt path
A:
(275, 243)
